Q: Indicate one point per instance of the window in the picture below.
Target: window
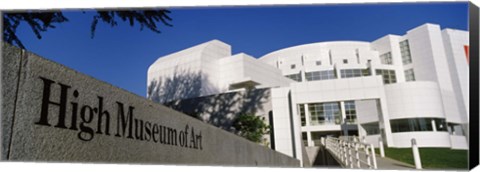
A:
(301, 110)
(324, 113)
(388, 75)
(296, 77)
(318, 63)
(366, 72)
(350, 73)
(320, 75)
(417, 124)
(386, 58)
(292, 66)
(455, 129)
(350, 113)
(345, 61)
(405, 51)
(440, 124)
(409, 75)
(371, 128)
(304, 138)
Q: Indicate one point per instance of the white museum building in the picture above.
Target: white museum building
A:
(395, 88)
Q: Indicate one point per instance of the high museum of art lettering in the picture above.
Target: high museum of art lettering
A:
(82, 119)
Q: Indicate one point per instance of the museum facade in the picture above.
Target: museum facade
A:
(393, 89)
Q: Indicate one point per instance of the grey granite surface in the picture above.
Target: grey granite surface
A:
(78, 137)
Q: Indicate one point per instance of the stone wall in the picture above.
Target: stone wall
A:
(55, 114)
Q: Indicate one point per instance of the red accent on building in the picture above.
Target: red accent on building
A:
(465, 47)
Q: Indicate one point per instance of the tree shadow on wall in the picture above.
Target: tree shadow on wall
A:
(183, 92)
(221, 110)
(183, 84)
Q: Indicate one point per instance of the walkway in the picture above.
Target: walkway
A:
(389, 164)
(319, 158)
(353, 154)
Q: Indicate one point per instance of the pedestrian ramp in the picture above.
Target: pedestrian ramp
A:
(355, 154)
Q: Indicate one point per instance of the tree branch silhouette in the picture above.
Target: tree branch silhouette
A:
(40, 21)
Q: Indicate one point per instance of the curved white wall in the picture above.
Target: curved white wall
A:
(188, 73)
(421, 99)
(414, 100)
(424, 139)
(304, 57)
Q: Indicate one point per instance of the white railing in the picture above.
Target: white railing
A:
(353, 154)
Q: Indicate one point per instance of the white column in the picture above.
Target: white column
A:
(380, 146)
(302, 70)
(302, 75)
(307, 123)
(416, 155)
(374, 159)
(344, 116)
(342, 109)
(309, 139)
(433, 125)
(307, 114)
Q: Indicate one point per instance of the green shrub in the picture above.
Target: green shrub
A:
(251, 127)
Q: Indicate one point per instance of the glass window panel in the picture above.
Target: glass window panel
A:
(386, 58)
(319, 75)
(456, 129)
(350, 112)
(409, 75)
(440, 124)
(301, 109)
(387, 75)
(405, 52)
(371, 128)
(325, 113)
(417, 124)
(296, 77)
(349, 73)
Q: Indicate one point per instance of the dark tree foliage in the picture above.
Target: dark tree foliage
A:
(38, 21)
(41, 21)
(145, 18)
(251, 127)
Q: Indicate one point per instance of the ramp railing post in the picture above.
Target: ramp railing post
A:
(344, 146)
(416, 155)
(350, 154)
(374, 159)
(341, 152)
(380, 146)
(367, 154)
(364, 142)
(357, 156)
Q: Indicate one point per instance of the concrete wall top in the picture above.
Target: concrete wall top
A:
(52, 113)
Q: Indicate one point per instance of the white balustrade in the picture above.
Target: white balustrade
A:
(347, 151)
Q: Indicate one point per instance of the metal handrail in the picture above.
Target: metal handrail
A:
(347, 152)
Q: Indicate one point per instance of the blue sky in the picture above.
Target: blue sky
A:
(121, 55)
